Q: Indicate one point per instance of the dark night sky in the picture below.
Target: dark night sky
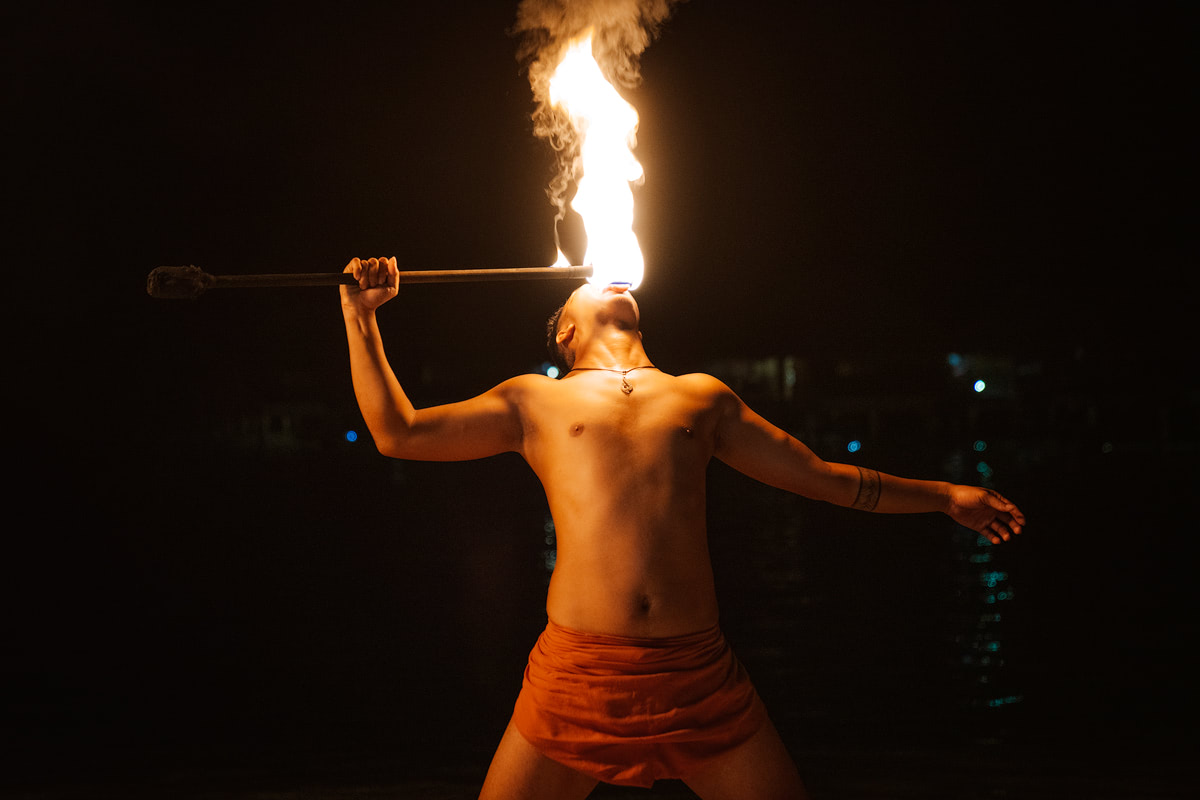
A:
(852, 180)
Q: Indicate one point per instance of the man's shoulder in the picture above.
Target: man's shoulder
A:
(706, 388)
(703, 381)
(530, 382)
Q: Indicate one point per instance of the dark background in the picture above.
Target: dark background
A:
(208, 585)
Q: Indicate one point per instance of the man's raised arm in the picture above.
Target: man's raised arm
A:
(475, 428)
(755, 447)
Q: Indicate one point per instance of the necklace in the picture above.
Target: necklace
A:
(626, 386)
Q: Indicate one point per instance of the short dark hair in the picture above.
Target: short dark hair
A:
(556, 354)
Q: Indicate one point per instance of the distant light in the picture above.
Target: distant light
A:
(993, 578)
(854, 446)
(984, 469)
(351, 436)
(552, 371)
(980, 445)
(980, 386)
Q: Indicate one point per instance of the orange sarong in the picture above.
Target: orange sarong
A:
(632, 711)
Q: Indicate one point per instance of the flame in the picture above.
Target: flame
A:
(607, 128)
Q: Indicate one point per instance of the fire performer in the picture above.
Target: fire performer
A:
(631, 681)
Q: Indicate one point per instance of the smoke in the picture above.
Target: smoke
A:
(621, 31)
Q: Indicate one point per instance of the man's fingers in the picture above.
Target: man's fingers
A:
(1014, 520)
(370, 274)
(375, 273)
(996, 501)
(1007, 526)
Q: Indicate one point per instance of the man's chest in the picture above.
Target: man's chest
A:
(655, 425)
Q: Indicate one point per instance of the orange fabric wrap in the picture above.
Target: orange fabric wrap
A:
(632, 711)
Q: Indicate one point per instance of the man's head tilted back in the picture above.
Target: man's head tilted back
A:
(588, 309)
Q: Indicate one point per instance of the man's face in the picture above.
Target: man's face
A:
(591, 306)
(609, 304)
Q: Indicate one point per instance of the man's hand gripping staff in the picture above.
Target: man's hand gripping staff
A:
(378, 281)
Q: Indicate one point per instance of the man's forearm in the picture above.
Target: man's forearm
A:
(888, 494)
(383, 403)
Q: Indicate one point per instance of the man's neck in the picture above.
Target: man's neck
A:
(613, 349)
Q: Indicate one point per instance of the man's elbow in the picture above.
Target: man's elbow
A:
(393, 444)
(393, 435)
(389, 448)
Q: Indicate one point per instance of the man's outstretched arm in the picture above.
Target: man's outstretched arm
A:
(475, 428)
(755, 447)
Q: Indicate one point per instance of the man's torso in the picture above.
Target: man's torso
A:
(624, 475)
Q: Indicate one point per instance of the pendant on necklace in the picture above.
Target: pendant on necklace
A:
(626, 386)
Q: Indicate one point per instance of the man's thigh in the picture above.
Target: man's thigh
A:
(519, 771)
(758, 769)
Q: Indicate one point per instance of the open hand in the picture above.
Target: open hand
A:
(986, 512)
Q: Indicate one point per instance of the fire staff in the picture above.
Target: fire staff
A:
(632, 680)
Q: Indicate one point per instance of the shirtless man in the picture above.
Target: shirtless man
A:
(622, 450)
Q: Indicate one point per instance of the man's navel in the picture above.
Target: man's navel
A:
(577, 429)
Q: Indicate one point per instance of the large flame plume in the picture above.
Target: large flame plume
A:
(579, 53)
(606, 126)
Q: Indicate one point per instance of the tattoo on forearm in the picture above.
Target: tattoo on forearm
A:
(868, 490)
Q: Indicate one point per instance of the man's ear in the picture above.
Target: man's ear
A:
(565, 335)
